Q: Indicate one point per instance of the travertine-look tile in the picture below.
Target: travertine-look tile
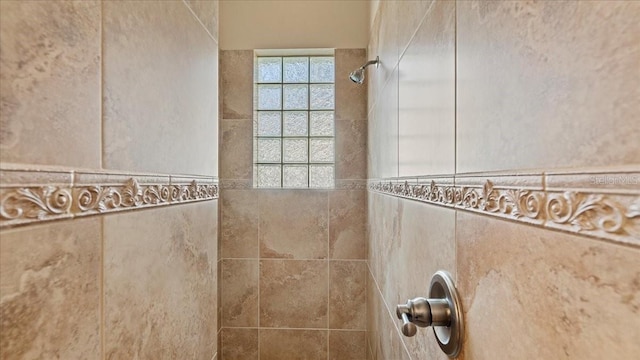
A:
(293, 344)
(239, 224)
(293, 293)
(347, 294)
(410, 15)
(49, 291)
(160, 89)
(373, 315)
(587, 291)
(537, 87)
(426, 94)
(239, 292)
(347, 224)
(239, 344)
(426, 244)
(347, 345)
(50, 87)
(236, 149)
(160, 283)
(293, 224)
(384, 233)
(236, 84)
(387, 47)
(383, 142)
(351, 98)
(207, 13)
(351, 149)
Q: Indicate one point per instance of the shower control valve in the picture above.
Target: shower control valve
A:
(441, 310)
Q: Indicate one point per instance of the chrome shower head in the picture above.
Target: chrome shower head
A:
(357, 76)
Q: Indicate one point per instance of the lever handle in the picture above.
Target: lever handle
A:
(408, 328)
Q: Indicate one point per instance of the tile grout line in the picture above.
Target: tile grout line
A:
(102, 292)
(328, 271)
(200, 21)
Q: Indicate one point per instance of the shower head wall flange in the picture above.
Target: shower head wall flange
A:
(357, 76)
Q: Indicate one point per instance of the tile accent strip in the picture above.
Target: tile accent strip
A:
(596, 204)
(33, 196)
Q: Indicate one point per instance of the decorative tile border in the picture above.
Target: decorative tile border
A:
(32, 196)
(597, 204)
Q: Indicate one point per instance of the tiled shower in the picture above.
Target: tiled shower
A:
(496, 140)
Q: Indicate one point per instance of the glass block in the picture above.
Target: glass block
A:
(295, 123)
(296, 97)
(322, 97)
(296, 69)
(269, 150)
(295, 176)
(269, 123)
(322, 69)
(269, 97)
(295, 150)
(321, 176)
(321, 123)
(321, 150)
(269, 176)
(269, 69)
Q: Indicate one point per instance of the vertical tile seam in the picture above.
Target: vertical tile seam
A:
(101, 91)
(328, 236)
(102, 292)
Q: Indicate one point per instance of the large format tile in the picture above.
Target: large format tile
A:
(239, 344)
(160, 283)
(347, 295)
(239, 292)
(351, 149)
(347, 224)
(293, 344)
(239, 235)
(586, 289)
(351, 98)
(537, 87)
(347, 345)
(50, 291)
(383, 132)
(160, 89)
(410, 15)
(236, 84)
(426, 90)
(294, 293)
(50, 87)
(293, 224)
(207, 13)
(236, 149)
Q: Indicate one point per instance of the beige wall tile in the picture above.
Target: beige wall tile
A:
(586, 290)
(239, 344)
(293, 224)
(239, 235)
(236, 149)
(236, 82)
(50, 88)
(160, 283)
(160, 89)
(410, 15)
(347, 224)
(347, 345)
(383, 133)
(426, 96)
(351, 98)
(293, 293)
(537, 87)
(207, 13)
(351, 149)
(239, 292)
(347, 295)
(49, 291)
(293, 344)
(384, 231)
(388, 48)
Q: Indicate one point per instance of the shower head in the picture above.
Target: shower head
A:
(357, 76)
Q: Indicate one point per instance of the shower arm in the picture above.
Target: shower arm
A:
(371, 62)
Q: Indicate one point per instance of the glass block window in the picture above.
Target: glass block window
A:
(294, 141)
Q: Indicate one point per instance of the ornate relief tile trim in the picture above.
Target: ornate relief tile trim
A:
(33, 196)
(600, 205)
